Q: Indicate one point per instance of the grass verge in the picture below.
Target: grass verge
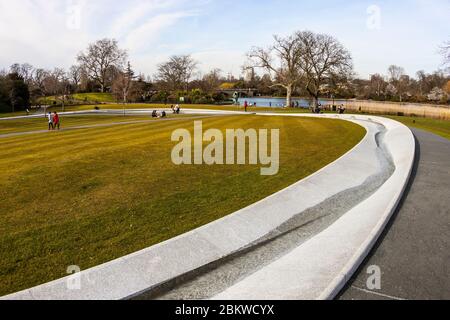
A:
(438, 127)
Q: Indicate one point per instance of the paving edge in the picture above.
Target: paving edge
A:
(335, 288)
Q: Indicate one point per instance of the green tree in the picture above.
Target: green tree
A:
(14, 93)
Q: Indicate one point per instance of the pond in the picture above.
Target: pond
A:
(280, 102)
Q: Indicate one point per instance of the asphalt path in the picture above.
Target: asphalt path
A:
(414, 252)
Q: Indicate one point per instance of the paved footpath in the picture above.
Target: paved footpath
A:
(414, 252)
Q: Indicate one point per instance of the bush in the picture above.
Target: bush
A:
(161, 96)
(218, 97)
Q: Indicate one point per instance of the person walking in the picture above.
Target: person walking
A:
(56, 121)
(50, 121)
(245, 106)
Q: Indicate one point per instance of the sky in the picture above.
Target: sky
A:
(218, 33)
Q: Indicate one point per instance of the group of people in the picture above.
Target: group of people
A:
(176, 109)
(341, 109)
(246, 105)
(295, 104)
(320, 109)
(156, 114)
(54, 122)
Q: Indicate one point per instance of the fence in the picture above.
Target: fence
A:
(441, 112)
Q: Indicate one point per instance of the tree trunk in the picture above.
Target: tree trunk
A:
(315, 101)
(315, 96)
(289, 96)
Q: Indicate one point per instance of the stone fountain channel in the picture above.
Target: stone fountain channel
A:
(208, 281)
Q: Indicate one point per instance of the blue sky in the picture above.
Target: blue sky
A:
(218, 33)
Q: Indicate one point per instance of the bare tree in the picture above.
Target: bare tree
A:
(395, 73)
(397, 79)
(99, 58)
(25, 70)
(75, 75)
(58, 78)
(40, 76)
(377, 85)
(177, 72)
(323, 60)
(281, 61)
(445, 51)
(123, 84)
(403, 86)
(421, 80)
(212, 80)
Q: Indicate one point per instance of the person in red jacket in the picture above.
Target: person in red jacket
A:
(56, 121)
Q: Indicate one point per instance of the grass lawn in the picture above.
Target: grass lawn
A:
(85, 197)
(67, 122)
(119, 106)
(98, 96)
(438, 127)
(79, 98)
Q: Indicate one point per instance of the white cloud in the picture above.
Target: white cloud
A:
(217, 33)
(134, 14)
(36, 31)
(227, 60)
(143, 36)
(46, 34)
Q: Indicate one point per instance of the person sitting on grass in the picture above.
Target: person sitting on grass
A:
(56, 121)
(163, 114)
(341, 109)
(154, 114)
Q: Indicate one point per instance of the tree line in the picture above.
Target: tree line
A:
(302, 64)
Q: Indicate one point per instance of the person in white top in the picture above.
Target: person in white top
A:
(50, 121)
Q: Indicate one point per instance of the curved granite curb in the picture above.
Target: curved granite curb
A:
(137, 273)
(321, 267)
